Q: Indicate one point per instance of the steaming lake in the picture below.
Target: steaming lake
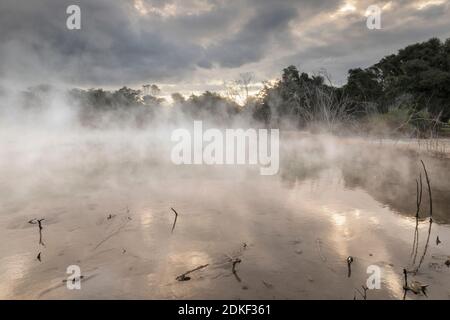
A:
(106, 200)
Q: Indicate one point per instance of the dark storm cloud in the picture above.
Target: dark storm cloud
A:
(249, 44)
(174, 41)
(110, 47)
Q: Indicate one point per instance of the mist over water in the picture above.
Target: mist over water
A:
(354, 97)
(106, 193)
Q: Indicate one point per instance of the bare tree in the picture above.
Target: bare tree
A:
(239, 90)
(245, 79)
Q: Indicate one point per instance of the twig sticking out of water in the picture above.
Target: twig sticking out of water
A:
(431, 217)
(184, 277)
(175, 220)
(39, 223)
(415, 287)
(405, 285)
(349, 265)
(416, 230)
(438, 241)
(364, 293)
(235, 262)
(233, 269)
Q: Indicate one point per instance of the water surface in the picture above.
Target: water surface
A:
(107, 209)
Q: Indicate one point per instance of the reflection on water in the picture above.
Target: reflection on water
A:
(12, 270)
(292, 233)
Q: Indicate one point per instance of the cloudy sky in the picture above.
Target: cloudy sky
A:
(194, 45)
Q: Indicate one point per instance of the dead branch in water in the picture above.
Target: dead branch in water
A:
(363, 295)
(349, 266)
(235, 262)
(415, 287)
(438, 241)
(175, 220)
(431, 217)
(405, 285)
(39, 223)
(233, 269)
(416, 230)
(184, 277)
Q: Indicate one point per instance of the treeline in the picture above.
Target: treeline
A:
(146, 106)
(404, 92)
(407, 92)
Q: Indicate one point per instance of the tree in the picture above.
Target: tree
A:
(239, 90)
(363, 87)
(126, 97)
(155, 90)
(422, 70)
(178, 98)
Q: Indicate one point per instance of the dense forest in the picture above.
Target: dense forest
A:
(404, 93)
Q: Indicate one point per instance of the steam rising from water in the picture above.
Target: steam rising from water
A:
(355, 196)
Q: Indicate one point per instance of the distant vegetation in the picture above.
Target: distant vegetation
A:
(405, 93)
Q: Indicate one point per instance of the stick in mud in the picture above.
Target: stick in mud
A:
(184, 277)
(175, 220)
